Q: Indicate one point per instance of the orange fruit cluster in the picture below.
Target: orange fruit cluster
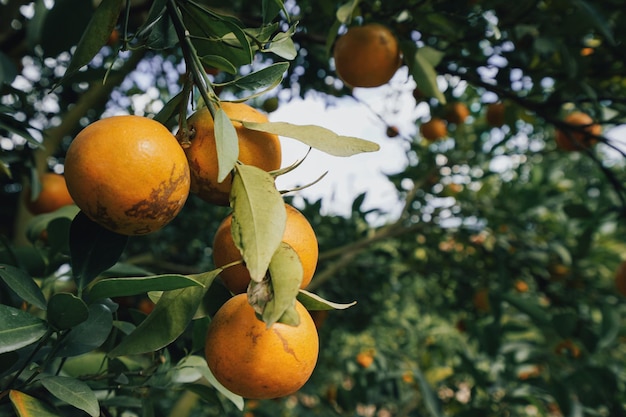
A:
(367, 56)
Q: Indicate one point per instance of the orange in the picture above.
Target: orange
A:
(620, 278)
(495, 114)
(573, 140)
(567, 348)
(255, 148)
(457, 112)
(256, 362)
(367, 56)
(53, 195)
(520, 286)
(434, 129)
(127, 173)
(365, 359)
(298, 234)
(481, 300)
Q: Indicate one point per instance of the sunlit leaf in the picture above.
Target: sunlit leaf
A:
(27, 406)
(317, 137)
(259, 218)
(170, 317)
(23, 285)
(73, 392)
(315, 302)
(226, 144)
(282, 45)
(346, 11)
(18, 328)
(65, 311)
(119, 287)
(422, 68)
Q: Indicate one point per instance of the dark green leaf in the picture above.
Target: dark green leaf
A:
(65, 311)
(565, 323)
(94, 249)
(216, 61)
(271, 8)
(18, 329)
(433, 405)
(529, 307)
(51, 30)
(611, 322)
(266, 78)
(8, 72)
(96, 35)
(73, 392)
(206, 393)
(170, 317)
(601, 24)
(577, 211)
(23, 285)
(171, 109)
(119, 287)
(90, 334)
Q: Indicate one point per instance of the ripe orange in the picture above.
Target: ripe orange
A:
(298, 234)
(127, 173)
(495, 114)
(520, 286)
(53, 195)
(457, 112)
(620, 278)
(365, 359)
(574, 140)
(255, 148)
(434, 129)
(256, 362)
(367, 56)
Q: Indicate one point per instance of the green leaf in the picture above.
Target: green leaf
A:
(205, 392)
(346, 11)
(271, 8)
(93, 248)
(599, 22)
(286, 276)
(203, 368)
(577, 211)
(431, 401)
(27, 406)
(226, 144)
(565, 323)
(422, 68)
(8, 71)
(96, 35)
(41, 222)
(120, 287)
(317, 137)
(266, 78)
(90, 334)
(171, 315)
(170, 109)
(50, 29)
(218, 62)
(18, 329)
(282, 45)
(610, 326)
(73, 392)
(23, 285)
(259, 218)
(315, 302)
(65, 311)
(529, 307)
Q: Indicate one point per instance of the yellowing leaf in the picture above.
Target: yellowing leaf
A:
(27, 406)
(259, 218)
(317, 137)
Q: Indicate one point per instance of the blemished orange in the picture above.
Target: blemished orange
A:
(495, 114)
(256, 148)
(53, 195)
(298, 234)
(127, 173)
(457, 112)
(367, 56)
(257, 362)
(620, 278)
(575, 140)
(434, 129)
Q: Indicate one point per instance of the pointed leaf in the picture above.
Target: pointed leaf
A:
(317, 137)
(18, 329)
(286, 275)
(259, 218)
(23, 285)
(65, 311)
(267, 77)
(93, 248)
(96, 35)
(346, 10)
(120, 287)
(218, 62)
(170, 109)
(90, 334)
(529, 307)
(27, 406)
(73, 392)
(226, 144)
(422, 68)
(610, 327)
(315, 302)
(204, 369)
(171, 315)
(282, 45)
(431, 400)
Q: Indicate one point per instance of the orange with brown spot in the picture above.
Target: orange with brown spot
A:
(257, 362)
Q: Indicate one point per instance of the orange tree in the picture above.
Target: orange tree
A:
(491, 293)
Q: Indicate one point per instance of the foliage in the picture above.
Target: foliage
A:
(494, 210)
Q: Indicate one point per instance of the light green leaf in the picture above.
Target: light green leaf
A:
(226, 144)
(18, 329)
(259, 218)
(315, 302)
(317, 137)
(27, 406)
(73, 392)
(422, 68)
(203, 368)
(346, 11)
(23, 285)
(170, 317)
(120, 287)
(282, 45)
(286, 276)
